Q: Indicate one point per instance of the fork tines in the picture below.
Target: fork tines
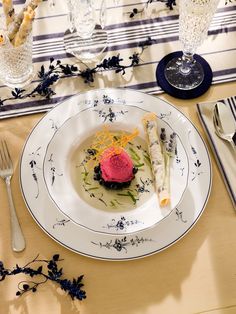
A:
(5, 158)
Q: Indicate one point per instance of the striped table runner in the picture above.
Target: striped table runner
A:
(124, 37)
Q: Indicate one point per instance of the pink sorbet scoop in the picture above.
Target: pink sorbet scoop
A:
(116, 167)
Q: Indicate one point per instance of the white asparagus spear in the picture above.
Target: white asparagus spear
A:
(157, 159)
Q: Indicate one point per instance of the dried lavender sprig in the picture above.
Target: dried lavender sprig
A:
(163, 135)
(169, 150)
(171, 145)
(54, 274)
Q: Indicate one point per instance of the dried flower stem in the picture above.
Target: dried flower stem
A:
(73, 288)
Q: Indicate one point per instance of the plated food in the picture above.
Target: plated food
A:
(114, 168)
(107, 170)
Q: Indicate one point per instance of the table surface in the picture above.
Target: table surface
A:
(195, 275)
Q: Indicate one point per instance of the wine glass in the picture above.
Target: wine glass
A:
(86, 37)
(185, 74)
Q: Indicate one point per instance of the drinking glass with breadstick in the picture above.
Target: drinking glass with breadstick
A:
(16, 64)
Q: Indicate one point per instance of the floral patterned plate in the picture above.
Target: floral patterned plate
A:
(104, 245)
(69, 174)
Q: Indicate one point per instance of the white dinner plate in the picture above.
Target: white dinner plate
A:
(69, 175)
(113, 246)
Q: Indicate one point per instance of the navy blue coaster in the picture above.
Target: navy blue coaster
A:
(179, 93)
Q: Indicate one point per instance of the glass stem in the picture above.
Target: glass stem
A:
(186, 62)
(103, 14)
(70, 16)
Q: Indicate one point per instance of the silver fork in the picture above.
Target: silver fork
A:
(6, 172)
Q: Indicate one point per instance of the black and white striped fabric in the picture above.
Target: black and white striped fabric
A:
(124, 37)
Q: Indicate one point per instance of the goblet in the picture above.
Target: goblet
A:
(185, 74)
(86, 38)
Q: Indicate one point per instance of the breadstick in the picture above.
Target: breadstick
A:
(9, 11)
(25, 27)
(33, 4)
(157, 158)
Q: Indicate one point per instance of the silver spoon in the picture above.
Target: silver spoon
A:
(224, 123)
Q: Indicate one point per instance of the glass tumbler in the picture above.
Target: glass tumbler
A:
(16, 65)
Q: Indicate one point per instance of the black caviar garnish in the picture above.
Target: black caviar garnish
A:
(111, 185)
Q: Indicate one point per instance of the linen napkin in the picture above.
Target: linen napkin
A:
(224, 155)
